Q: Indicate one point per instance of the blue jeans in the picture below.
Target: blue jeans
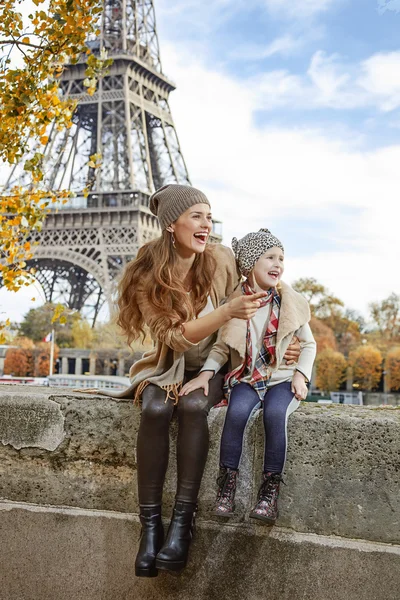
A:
(278, 403)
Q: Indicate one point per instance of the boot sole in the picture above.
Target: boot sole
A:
(166, 565)
(143, 572)
(267, 520)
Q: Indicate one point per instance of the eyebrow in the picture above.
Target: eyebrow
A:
(198, 212)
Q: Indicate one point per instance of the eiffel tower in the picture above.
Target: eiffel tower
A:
(85, 244)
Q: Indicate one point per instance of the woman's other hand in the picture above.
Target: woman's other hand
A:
(292, 353)
(246, 306)
(197, 383)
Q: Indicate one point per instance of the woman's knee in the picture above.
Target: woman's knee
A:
(154, 406)
(194, 404)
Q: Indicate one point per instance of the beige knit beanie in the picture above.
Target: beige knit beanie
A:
(171, 201)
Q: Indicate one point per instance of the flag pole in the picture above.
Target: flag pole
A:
(51, 353)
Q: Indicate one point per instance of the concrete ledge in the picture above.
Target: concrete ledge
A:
(30, 424)
(342, 473)
(63, 553)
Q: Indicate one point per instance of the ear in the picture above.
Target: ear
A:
(170, 229)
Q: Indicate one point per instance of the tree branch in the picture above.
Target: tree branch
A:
(19, 43)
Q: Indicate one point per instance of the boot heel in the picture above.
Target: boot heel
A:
(169, 565)
(146, 572)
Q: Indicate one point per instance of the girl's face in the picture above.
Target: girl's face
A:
(192, 229)
(268, 270)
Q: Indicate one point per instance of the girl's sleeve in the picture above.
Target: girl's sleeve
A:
(218, 356)
(308, 351)
(159, 327)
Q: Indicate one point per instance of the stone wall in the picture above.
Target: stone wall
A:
(68, 510)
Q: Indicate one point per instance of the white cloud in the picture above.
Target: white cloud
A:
(265, 177)
(331, 83)
(381, 79)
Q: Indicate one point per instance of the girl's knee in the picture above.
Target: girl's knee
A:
(274, 412)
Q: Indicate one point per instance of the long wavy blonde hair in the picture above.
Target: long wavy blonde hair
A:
(155, 272)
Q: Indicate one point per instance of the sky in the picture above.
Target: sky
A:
(288, 114)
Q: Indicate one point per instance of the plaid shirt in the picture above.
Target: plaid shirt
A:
(266, 357)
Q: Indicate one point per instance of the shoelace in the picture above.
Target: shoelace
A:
(269, 486)
(223, 482)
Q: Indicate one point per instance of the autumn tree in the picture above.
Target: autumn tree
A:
(42, 359)
(328, 310)
(386, 316)
(109, 336)
(30, 101)
(324, 335)
(20, 360)
(392, 368)
(16, 363)
(331, 367)
(38, 322)
(366, 362)
(82, 334)
(322, 302)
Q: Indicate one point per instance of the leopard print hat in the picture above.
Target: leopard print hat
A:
(248, 250)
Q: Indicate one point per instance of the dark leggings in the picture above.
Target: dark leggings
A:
(279, 402)
(192, 444)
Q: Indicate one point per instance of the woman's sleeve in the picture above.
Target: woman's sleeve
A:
(159, 328)
(307, 352)
(218, 356)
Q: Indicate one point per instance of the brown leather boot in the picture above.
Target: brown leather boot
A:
(266, 508)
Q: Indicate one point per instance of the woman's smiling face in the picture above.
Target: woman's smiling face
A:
(269, 268)
(192, 229)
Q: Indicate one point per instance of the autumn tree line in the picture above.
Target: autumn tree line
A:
(29, 354)
(350, 346)
(347, 344)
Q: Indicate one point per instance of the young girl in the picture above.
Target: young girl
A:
(259, 375)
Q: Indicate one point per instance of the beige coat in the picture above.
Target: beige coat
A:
(164, 365)
(293, 320)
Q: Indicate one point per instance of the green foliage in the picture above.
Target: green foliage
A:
(38, 322)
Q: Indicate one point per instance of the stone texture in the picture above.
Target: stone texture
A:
(52, 554)
(93, 467)
(342, 471)
(27, 422)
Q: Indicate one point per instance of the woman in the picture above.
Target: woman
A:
(174, 288)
